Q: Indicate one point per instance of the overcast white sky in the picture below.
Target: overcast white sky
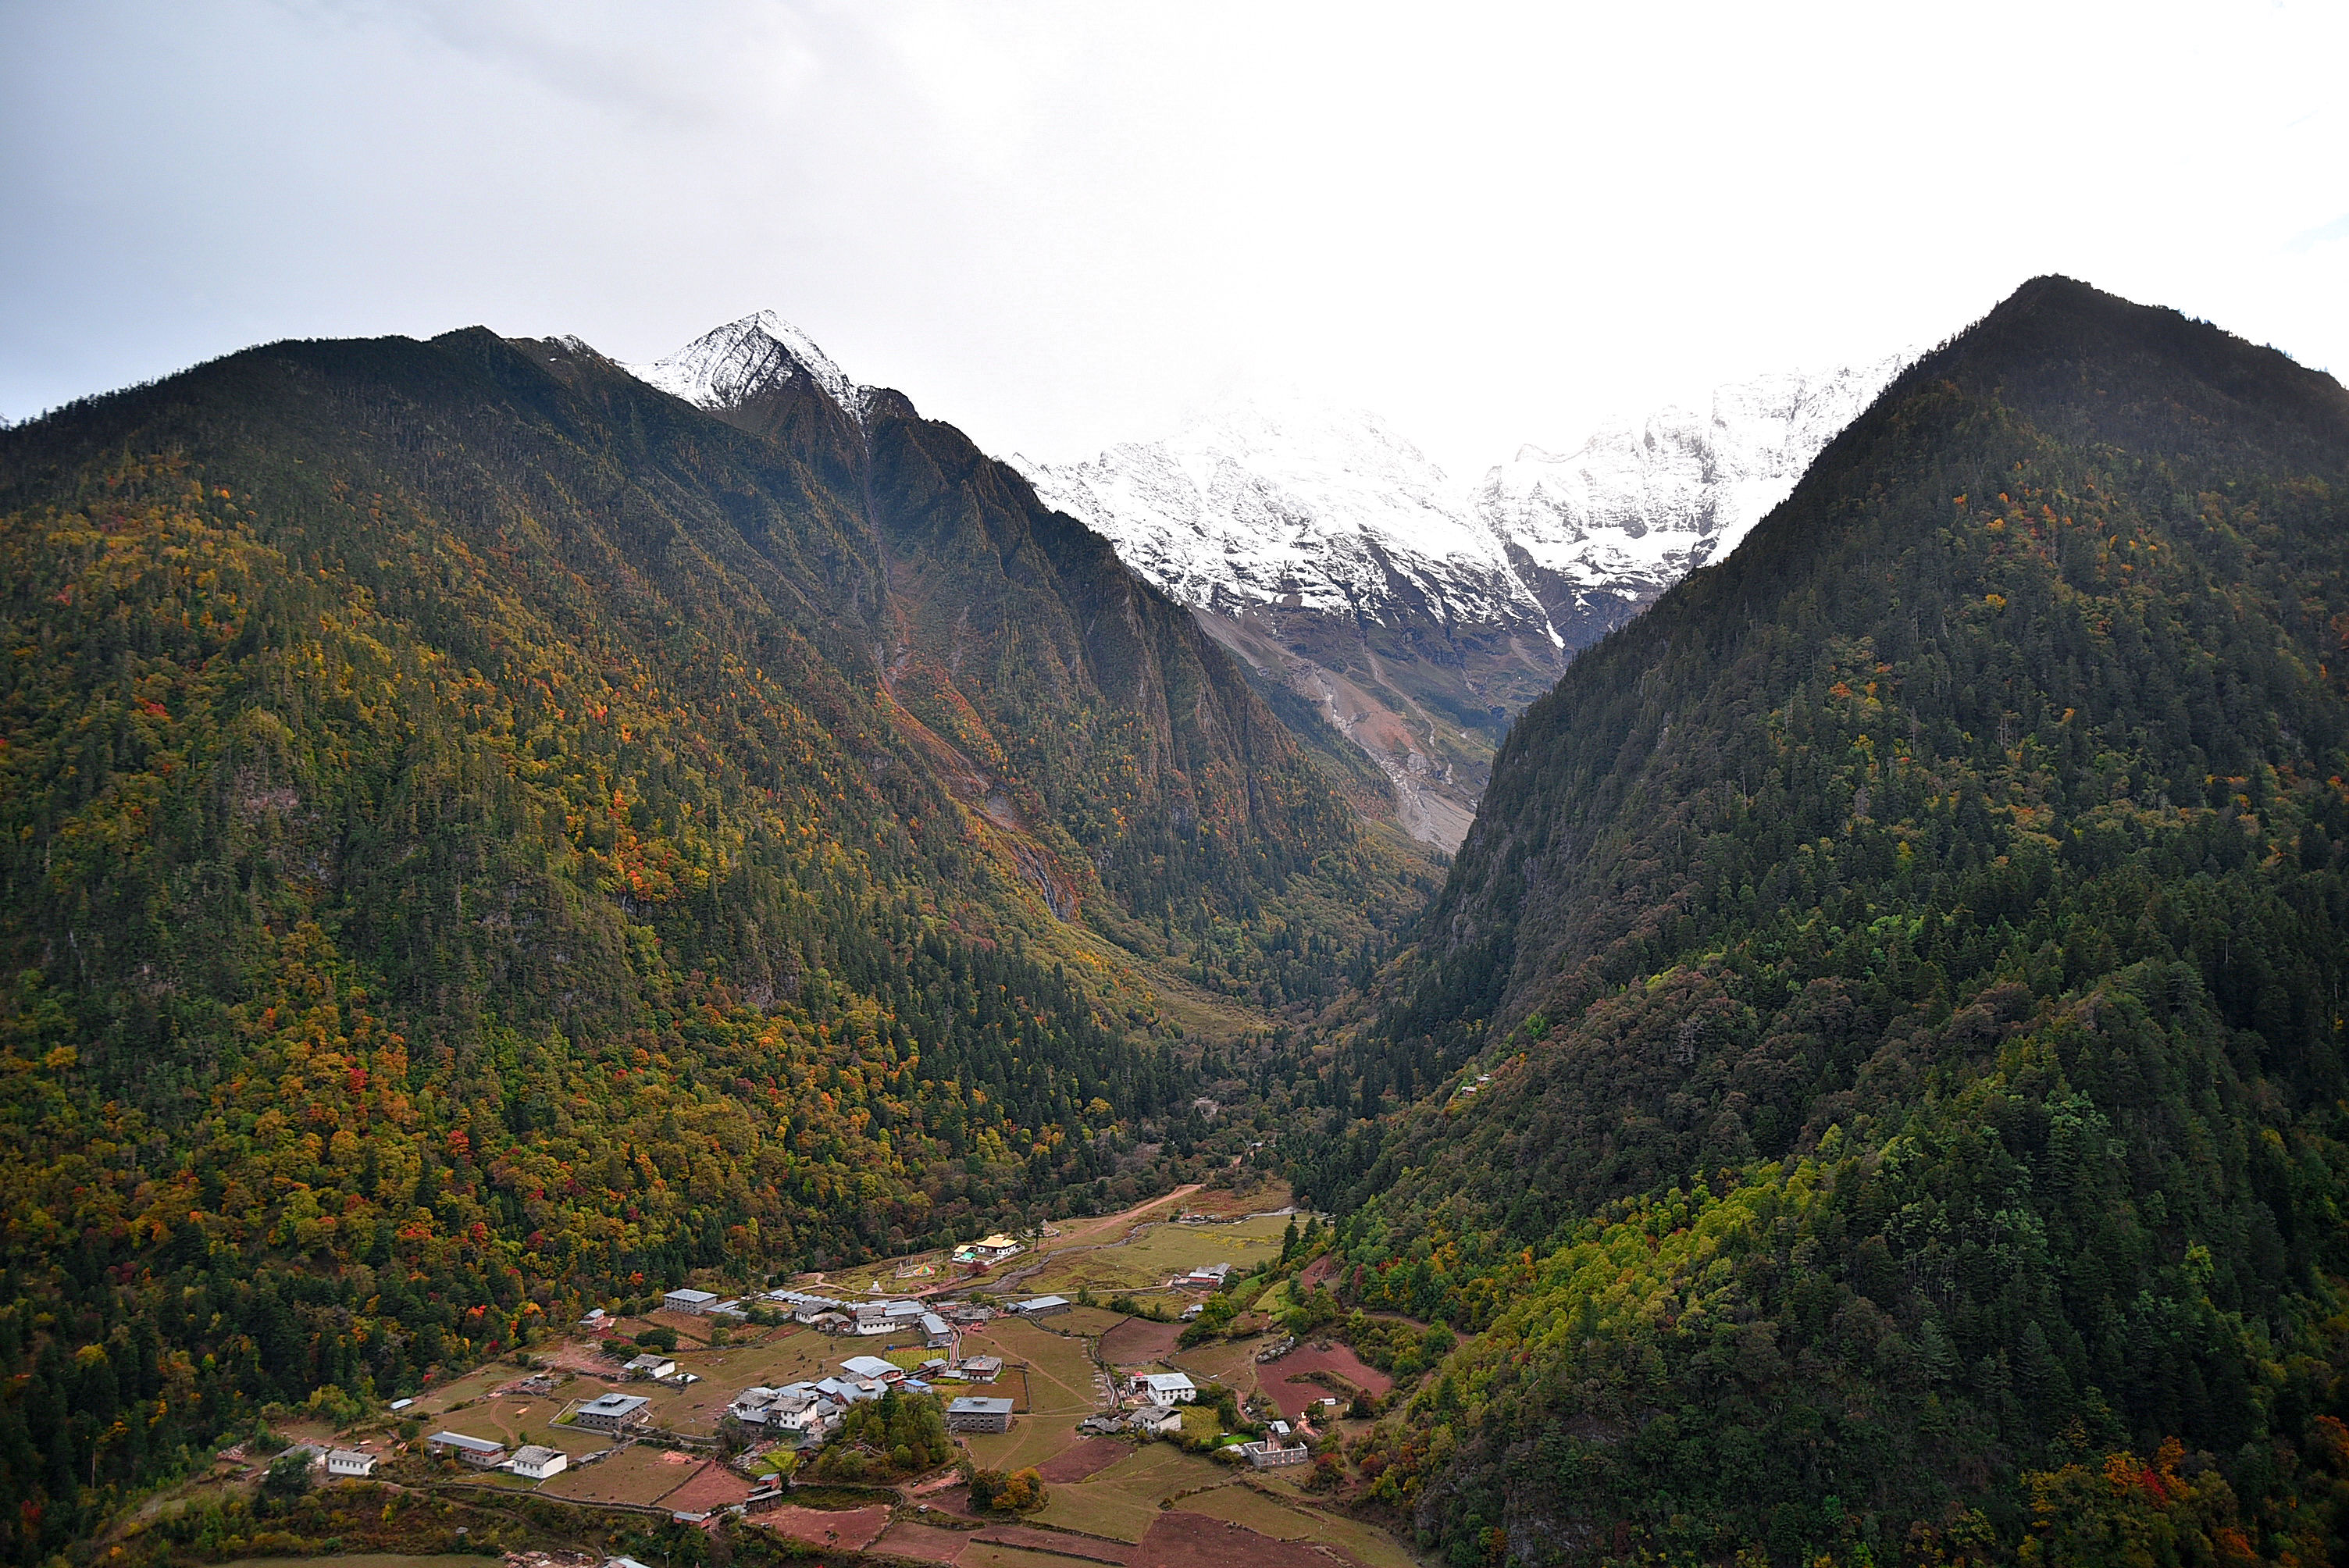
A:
(1058, 225)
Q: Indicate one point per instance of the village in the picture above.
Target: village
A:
(701, 1405)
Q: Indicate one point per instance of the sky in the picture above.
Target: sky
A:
(1059, 225)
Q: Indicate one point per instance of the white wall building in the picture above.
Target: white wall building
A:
(535, 1462)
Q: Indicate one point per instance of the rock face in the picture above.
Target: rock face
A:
(1332, 556)
(1420, 615)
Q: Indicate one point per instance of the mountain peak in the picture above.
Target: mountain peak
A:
(728, 366)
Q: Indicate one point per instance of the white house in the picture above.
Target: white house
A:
(535, 1462)
(350, 1463)
(652, 1363)
(1041, 1305)
(1166, 1387)
(696, 1302)
(981, 1368)
(1155, 1421)
(873, 1367)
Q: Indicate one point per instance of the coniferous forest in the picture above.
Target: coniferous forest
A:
(482, 836)
(1905, 973)
(485, 837)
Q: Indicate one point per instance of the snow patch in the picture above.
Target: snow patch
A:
(725, 367)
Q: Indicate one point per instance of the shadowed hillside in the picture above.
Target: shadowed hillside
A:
(1901, 979)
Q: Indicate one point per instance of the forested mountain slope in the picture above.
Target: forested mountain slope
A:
(1875, 1074)
(480, 831)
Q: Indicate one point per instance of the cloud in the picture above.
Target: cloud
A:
(1062, 223)
(2323, 234)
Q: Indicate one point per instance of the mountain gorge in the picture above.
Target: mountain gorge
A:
(1873, 1082)
(488, 829)
(483, 831)
(1417, 615)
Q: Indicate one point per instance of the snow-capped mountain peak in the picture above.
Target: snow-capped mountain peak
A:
(1276, 499)
(724, 367)
(1638, 505)
(1331, 554)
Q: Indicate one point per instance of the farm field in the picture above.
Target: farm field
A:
(850, 1530)
(923, 1542)
(1148, 1261)
(1032, 1440)
(1123, 1500)
(1288, 1382)
(707, 1488)
(1085, 1322)
(983, 1554)
(1231, 1362)
(1059, 1368)
(640, 1474)
(1184, 1539)
(1137, 1342)
(474, 1385)
(1251, 1509)
(1011, 1384)
(1086, 1459)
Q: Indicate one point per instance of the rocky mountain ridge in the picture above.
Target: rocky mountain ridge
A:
(1420, 613)
(1417, 613)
